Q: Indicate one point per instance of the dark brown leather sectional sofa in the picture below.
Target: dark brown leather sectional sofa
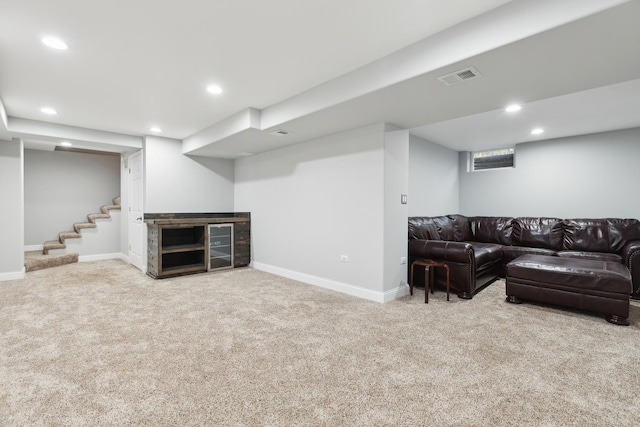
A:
(477, 249)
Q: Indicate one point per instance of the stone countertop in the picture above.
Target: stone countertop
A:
(189, 221)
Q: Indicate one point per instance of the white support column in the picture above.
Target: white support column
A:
(396, 184)
(12, 209)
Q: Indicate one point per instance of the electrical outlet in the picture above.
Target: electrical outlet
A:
(344, 258)
(403, 260)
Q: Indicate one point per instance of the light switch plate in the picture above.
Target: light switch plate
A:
(403, 199)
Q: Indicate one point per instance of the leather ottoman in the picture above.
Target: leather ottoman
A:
(599, 286)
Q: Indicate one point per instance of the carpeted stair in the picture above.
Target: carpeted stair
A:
(39, 260)
(36, 260)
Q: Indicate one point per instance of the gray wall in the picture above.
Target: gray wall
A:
(433, 179)
(584, 176)
(61, 188)
(178, 183)
(312, 202)
(11, 210)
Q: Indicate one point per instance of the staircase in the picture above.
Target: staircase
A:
(38, 260)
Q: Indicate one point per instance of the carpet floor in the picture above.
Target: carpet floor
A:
(100, 343)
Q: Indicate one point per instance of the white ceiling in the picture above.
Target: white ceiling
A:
(315, 68)
(597, 110)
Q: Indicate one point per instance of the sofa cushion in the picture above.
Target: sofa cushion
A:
(561, 273)
(534, 232)
(444, 225)
(590, 235)
(599, 256)
(622, 231)
(599, 235)
(513, 252)
(492, 229)
(486, 253)
(423, 228)
(461, 228)
(453, 228)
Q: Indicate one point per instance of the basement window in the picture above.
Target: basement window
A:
(492, 159)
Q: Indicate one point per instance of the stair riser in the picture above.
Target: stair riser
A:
(57, 251)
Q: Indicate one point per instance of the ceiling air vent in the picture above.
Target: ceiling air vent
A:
(279, 132)
(459, 76)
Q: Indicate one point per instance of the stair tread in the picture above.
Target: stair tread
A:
(85, 225)
(52, 244)
(69, 235)
(99, 215)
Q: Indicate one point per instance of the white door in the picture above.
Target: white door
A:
(136, 226)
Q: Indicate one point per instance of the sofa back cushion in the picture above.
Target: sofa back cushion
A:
(461, 228)
(444, 224)
(454, 228)
(492, 229)
(423, 228)
(622, 231)
(599, 235)
(590, 235)
(534, 232)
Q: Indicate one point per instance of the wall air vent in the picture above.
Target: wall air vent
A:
(459, 76)
(280, 132)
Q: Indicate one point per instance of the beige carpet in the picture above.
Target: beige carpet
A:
(102, 344)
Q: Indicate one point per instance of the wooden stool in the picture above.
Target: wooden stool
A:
(429, 281)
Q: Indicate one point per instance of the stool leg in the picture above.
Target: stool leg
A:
(447, 268)
(427, 273)
(411, 278)
(432, 279)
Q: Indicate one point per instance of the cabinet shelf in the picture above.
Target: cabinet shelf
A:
(185, 269)
(182, 235)
(182, 248)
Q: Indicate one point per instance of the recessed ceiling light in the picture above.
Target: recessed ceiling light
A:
(155, 129)
(214, 89)
(513, 108)
(537, 131)
(48, 110)
(54, 43)
(66, 144)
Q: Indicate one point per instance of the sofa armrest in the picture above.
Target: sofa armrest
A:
(442, 250)
(631, 258)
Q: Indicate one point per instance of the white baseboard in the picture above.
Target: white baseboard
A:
(100, 257)
(14, 275)
(345, 288)
(31, 248)
(396, 293)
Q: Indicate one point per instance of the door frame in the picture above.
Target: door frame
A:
(142, 230)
